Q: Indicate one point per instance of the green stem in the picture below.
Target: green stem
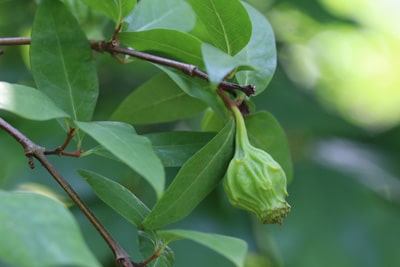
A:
(241, 138)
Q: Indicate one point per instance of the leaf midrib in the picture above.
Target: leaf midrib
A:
(62, 59)
(197, 177)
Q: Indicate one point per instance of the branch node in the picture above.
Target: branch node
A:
(190, 70)
(30, 162)
(114, 43)
(99, 46)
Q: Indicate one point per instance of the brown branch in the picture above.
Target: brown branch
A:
(32, 150)
(60, 150)
(113, 47)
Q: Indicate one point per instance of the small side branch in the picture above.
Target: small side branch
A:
(60, 150)
(33, 150)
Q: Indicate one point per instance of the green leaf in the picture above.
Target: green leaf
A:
(172, 43)
(260, 52)
(123, 201)
(198, 88)
(149, 243)
(37, 231)
(135, 151)
(194, 181)
(226, 21)
(218, 63)
(153, 14)
(62, 60)
(265, 133)
(28, 103)
(233, 249)
(175, 148)
(114, 9)
(211, 121)
(158, 100)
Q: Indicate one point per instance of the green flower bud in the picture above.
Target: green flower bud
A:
(254, 180)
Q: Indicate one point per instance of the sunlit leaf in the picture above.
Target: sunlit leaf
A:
(172, 43)
(114, 9)
(175, 148)
(233, 249)
(134, 150)
(62, 61)
(158, 100)
(218, 63)
(266, 133)
(226, 22)
(260, 53)
(153, 14)
(28, 103)
(37, 231)
(194, 181)
(117, 197)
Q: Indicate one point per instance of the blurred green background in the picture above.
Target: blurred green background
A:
(336, 93)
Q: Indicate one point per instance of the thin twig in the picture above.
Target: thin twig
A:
(32, 150)
(113, 48)
(60, 150)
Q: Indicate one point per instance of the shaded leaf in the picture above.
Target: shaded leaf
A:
(175, 148)
(172, 43)
(123, 201)
(266, 133)
(260, 52)
(149, 243)
(158, 100)
(194, 181)
(62, 62)
(28, 103)
(233, 249)
(37, 231)
(114, 9)
(198, 88)
(211, 121)
(153, 14)
(226, 21)
(135, 151)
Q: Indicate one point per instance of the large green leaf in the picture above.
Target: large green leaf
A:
(153, 14)
(198, 88)
(172, 148)
(194, 181)
(62, 61)
(114, 9)
(266, 133)
(135, 151)
(117, 197)
(149, 243)
(226, 21)
(158, 100)
(175, 148)
(233, 249)
(260, 52)
(28, 102)
(218, 63)
(37, 231)
(172, 43)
